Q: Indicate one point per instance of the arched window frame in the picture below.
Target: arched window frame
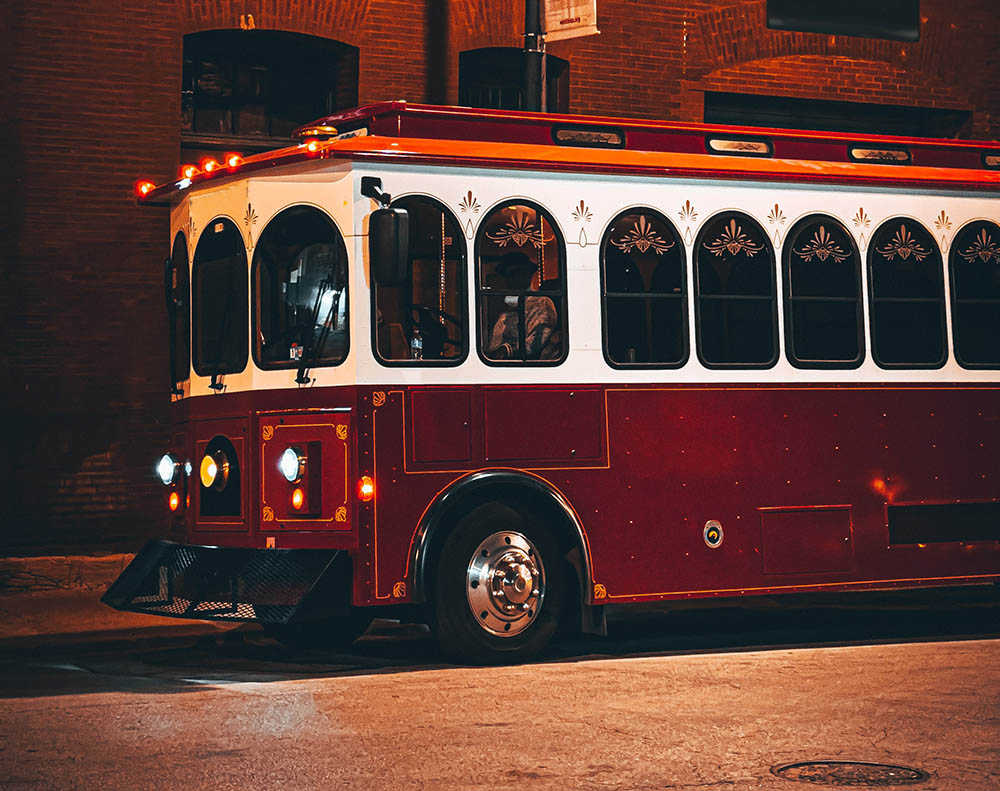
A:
(683, 296)
(874, 299)
(256, 308)
(970, 243)
(177, 291)
(791, 239)
(742, 219)
(482, 292)
(463, 302)
(240, 302)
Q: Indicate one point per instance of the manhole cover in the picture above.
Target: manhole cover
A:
(850, 774)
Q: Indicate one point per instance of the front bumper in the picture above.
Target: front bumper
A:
(233, 584)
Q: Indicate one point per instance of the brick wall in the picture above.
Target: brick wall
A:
(92, 103)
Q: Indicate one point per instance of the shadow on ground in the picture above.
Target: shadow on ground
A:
(245, 654)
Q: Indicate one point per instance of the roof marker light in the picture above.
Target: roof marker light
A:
(187, 171)
(320, 130)
(208, 164)
(143, 188)
(233, 160)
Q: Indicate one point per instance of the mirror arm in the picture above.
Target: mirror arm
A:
(371, 187)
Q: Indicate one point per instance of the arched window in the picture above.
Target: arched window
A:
(522, 286)
(975, 294)
(425, 320)
(906, 284)
(219, 300)
(736, 304)
(178, 295)
(249, 89)
(300, 286)
(822, 271)
(645, 291)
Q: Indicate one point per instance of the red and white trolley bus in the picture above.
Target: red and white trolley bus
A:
(513, 368)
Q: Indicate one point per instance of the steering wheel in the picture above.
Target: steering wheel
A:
(427, 321)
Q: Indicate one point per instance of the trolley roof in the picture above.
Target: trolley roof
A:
(458, 136)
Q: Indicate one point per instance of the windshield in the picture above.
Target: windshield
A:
(300, 286)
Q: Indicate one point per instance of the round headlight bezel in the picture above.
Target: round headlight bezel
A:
(168, 463)
(292, 464)
(214, 470)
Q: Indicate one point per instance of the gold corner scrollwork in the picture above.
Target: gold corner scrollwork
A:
(600, 592)
(340, 514)
(267, 432)
(378, 398)
(341, 431)
(268, 515)
(399, 590)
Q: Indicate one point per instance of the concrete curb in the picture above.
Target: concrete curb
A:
(60, 572)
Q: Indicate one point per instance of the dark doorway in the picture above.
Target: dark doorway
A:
(249, 89)
(494, 77)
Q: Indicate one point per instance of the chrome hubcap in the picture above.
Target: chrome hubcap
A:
(505, 583)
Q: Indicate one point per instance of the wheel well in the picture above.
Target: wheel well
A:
(528, 496)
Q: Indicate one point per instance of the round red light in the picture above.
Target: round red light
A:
(174, 502)
(187, 171)
(143, 188)
(297, 499)
(233, 160)
(208, 164)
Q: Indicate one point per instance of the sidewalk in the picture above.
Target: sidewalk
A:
(57, 599)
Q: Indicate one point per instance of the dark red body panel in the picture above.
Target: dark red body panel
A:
(799, 477)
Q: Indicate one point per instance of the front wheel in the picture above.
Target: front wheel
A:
(498, 590)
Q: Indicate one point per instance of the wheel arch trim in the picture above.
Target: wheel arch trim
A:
(466, 486)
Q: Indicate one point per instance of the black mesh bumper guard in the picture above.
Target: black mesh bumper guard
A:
(231, 584)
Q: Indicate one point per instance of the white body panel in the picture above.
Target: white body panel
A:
(334, 187)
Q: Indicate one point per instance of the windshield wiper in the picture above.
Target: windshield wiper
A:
(313, 346)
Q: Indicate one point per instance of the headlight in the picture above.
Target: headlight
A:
(214, 470)
(292, 464)
(166, 468)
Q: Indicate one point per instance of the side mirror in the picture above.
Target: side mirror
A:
(389, 246)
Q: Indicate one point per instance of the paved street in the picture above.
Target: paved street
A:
(708, 698)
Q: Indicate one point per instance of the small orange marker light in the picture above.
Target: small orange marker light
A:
(143, 188)
(187, 171)
(312, 146)
(366, 488)
(297, 499)
(208, 164)
(174, 502)
(233, 160)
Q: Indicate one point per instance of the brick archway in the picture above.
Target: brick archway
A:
(342, 20)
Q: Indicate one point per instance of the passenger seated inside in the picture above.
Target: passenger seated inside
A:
(542, 337)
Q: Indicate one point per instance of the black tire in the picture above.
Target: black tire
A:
(330, 634)
(523, 545)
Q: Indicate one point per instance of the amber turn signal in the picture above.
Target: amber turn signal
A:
(297, 498)
(366, 489)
